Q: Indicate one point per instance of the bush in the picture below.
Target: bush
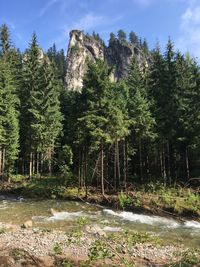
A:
(125, 201)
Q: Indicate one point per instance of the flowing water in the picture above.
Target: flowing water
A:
(65, 215)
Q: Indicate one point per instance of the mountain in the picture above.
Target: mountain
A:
(83, 47)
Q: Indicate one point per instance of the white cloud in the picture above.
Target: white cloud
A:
(189, 39)
(88, 21)
(45, 8)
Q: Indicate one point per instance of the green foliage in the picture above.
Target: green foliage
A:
(82, 221)
(125, 201)
(17, 254)
(121, 35)
(74, 237)
(65, 263)
(65, 161)
(2, 231)
(134, 238)
(57, 248)
(99, 250)
(187, 259)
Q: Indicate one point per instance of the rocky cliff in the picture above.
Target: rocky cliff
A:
(117, 54)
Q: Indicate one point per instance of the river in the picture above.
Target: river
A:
(15, 210)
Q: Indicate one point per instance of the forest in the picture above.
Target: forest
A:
(144, 128)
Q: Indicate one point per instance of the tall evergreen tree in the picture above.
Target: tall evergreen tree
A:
(121, 35)
(141, 119)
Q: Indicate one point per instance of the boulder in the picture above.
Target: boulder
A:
(27, 224)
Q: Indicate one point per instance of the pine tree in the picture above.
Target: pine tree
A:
(112, 38)
(141, 119)
(5, 43)
(9, 105)
(29, 98)
(121, 35)
(9, 119)
(133, 38)
(145, 46)
(48, 113)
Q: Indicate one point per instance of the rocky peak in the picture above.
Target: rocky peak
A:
(117, 54)
(81, 48)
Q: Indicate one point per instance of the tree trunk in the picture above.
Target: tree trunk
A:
(187, 164)
(30, 165)
(79, 169)
(118, 163)
(86, 169)
(0, 162)
(37, 163)
(161, 164)
(140, 156)
(115, 168)
(33, 163)
(164, 165)
(102, 170)
(3, 160)
(168, 163)
(124, 158)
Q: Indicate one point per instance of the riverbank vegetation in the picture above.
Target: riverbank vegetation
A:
(150, 198)
(143, 130)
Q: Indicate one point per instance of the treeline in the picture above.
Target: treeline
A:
(109, 135)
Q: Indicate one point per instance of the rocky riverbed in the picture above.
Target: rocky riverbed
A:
(85, 246)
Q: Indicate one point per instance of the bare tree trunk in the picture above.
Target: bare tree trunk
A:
(147, 166)
(102, 170)
(86, 169)
(107, 171)
(164, 165)
(175, 168)
(125, 167)
(0, 162)
(187, 164)
(118, 163)
(140, 156)
(33, 163)
(42, 164)
(37, 163)
(82, 168)
(168, 163)
(49, 162)
(30, 165)
(161, 164)
(115, 168)
(79, 169)
(3, 160)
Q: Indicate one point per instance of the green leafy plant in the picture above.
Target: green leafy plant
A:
(57, 248)
(2, 231)
(99, 250)
(125, 200)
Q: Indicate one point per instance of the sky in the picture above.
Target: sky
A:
(52, 20)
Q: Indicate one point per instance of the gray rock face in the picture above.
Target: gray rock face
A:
(82, 48)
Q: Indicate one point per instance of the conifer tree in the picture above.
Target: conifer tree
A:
(133, 38)
(9, 119)
(9, 106)
(141, 120)
(121, 35)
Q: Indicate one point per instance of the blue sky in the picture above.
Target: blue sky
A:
(153, 19)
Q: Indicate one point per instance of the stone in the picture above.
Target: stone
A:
(27, 224)
(53, 212)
